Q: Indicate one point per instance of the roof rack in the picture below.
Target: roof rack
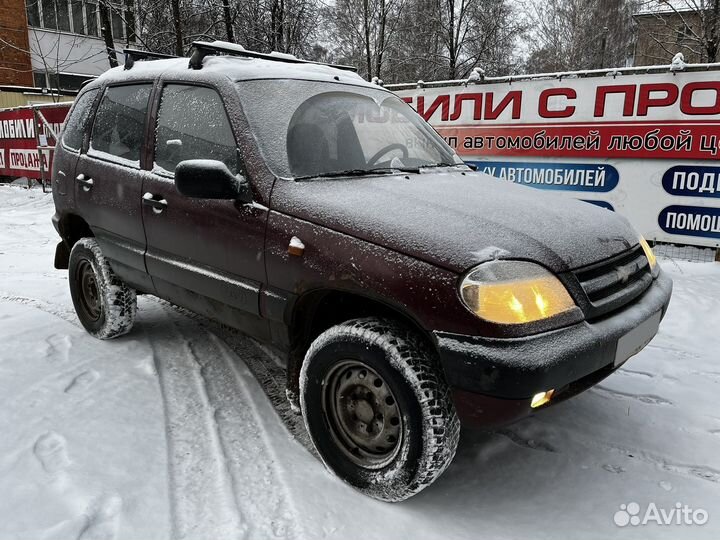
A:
(132, 55)
(201, 49)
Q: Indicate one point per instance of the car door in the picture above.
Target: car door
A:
(203, 254)
(71, 143)
(108, 180)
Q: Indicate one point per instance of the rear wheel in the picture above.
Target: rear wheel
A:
(377, 408)
(105, 305)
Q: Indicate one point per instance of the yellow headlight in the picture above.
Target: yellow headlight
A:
(648, 253)
(514, 292)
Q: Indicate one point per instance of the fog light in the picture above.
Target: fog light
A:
(541, 398)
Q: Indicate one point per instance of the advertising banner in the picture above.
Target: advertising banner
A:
(19, 155)
(644, 145)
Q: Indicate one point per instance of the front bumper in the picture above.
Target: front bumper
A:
(518, 368)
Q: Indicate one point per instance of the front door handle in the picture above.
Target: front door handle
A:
(87, 183)
(158, 205)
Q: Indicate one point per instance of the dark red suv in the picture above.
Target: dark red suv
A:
(321, 215)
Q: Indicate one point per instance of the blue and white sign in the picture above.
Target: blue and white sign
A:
(692, 181)
(592, 178)
(702, 221)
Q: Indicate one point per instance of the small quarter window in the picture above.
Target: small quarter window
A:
(120, 122)
(193, 124)
(78, 120)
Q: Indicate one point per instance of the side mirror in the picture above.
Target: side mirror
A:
(210, 179)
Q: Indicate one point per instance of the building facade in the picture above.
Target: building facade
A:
(57, 44)
(15, 62)
(661, 35)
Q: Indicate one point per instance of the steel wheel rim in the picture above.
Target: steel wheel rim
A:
(90, 301)
(363, 415)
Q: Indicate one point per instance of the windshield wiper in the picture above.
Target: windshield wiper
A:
(358, 172)
(431, 165)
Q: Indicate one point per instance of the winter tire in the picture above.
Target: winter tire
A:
(104, 304)
(377, 408)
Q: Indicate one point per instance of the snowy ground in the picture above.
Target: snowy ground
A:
(166, 433)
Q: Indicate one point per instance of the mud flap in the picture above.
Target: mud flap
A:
(62, 256)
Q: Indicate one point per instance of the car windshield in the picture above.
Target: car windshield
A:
(305, 129)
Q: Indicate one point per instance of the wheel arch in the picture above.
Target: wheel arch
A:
(71, 228)
(317, 310)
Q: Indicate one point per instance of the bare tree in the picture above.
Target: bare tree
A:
(227, 15)
(389, 39)
(692, 27)
(419, 50)
(177, 25)
(430, 39)
(364, 31)
(262, 25)
(106, 31)
(579, 34)
(477, 31)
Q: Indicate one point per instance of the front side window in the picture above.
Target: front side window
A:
(75, 126)
(320, 129)
(193, 124)
(120, 122)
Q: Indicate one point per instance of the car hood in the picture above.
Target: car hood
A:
(457, 220)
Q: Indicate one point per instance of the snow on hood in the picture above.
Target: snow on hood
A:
(458, 220)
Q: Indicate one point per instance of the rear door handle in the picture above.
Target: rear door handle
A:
(158, 205)
(87, 183)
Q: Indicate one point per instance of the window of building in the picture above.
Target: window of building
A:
(76, 6)
(72, 82)
(33, 12)
(684, 33)
(91, 19)
(64, 81)
(192, 124)
(117, 24)
(120, 122)
(39, 79)
(63, 15)
(82, 17)
(49, 18)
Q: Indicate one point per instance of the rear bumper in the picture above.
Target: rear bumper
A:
(568, 359)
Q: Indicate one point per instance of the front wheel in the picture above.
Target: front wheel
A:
(378, 409)
(105, 305)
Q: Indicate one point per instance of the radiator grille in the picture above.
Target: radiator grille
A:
(613, 283)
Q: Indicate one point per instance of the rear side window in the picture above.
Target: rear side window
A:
(193, 124)
(76, 123)
(120, 122)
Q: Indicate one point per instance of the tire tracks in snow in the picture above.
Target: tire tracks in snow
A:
(223, 479)
(266, 368)
(68, 315)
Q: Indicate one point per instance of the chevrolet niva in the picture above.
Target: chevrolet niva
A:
(319, 214)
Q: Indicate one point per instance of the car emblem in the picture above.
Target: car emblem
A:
(623, 274)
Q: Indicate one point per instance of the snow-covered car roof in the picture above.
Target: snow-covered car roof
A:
(235, 68)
